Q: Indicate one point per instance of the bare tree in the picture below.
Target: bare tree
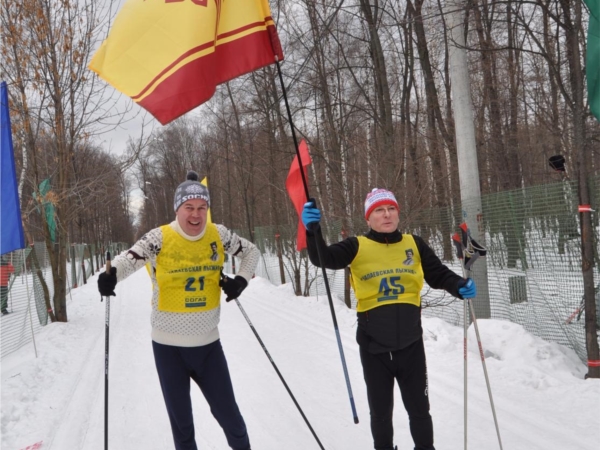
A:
(58, 103)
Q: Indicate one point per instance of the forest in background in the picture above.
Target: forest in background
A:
(369, 90)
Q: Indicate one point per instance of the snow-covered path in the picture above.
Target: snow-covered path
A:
(541, 399)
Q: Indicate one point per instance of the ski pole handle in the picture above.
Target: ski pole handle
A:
(107, 267)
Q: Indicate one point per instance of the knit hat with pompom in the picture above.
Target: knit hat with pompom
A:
(189, 190)
(378, 197)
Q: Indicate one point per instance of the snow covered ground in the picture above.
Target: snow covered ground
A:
(542, 401)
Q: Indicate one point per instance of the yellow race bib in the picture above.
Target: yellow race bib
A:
(386, 273)
(188, 272)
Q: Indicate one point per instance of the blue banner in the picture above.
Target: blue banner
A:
(11, 226)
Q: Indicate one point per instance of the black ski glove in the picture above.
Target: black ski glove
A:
(107, 282)
(233, 287)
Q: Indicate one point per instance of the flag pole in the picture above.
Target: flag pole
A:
(289, 113)
(325, 279)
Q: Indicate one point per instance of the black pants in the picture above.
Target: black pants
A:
(409, 368)
(208, 368)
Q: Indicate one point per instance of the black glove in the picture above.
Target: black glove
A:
(233, 287)
(107, 282)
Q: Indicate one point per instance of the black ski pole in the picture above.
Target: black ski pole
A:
(324, 272)
(278, 373)
(106, 334)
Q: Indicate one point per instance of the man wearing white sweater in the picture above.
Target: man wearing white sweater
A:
(187, 283)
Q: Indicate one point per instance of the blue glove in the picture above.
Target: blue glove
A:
(310, 214)
(467, 288)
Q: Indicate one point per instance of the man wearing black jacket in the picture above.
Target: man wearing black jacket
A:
(388, 269)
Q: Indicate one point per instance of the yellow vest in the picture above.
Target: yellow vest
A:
(386, 273)
(188, 272)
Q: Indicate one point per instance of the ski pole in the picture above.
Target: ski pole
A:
(460, 253)
(465, 340)
(323, 271)
(106, 334)
(471, 251)
(487, 380)
(278, 373)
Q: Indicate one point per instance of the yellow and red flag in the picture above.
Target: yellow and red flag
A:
(169, 55)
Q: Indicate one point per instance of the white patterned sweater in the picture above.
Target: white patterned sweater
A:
(183, 329)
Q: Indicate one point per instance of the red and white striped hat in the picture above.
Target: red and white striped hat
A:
(378, 197)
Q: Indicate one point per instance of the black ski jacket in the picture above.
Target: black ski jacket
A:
(391, 327)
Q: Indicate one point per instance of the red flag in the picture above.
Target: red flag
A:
(296, 190)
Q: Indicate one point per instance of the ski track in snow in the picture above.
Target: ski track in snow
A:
(299, 336)
(74, 423)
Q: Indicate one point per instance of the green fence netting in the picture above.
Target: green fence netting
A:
(532, 268)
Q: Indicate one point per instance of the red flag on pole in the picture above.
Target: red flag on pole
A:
(296, 190)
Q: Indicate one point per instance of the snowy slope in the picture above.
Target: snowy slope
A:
(541, 399)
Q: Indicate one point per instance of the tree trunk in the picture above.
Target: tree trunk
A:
(384, 122)
(572, 15)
